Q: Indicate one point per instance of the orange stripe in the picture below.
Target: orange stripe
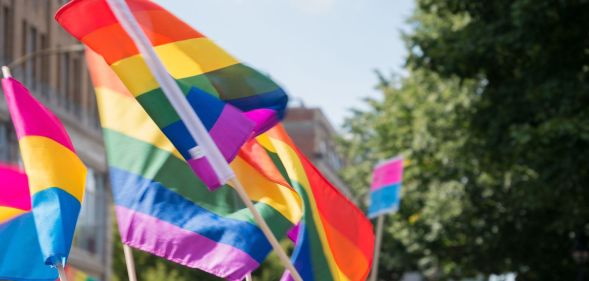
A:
(102, 76)
(159, 26)
(349, 258)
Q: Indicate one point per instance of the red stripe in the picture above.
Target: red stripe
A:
(92, 22)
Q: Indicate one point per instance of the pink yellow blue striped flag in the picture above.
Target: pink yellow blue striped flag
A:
(56, 175)
(385, 190)
(205, 72)
(20, 253)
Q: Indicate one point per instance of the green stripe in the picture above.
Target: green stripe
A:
(236, 81)
(321, 269)
(278, 224)
(152, 163)
(318, 259)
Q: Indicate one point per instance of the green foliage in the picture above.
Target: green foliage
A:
(494, 118)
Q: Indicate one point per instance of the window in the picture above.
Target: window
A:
(64, 70)
(92, 224)
(75, 94)
(6, 34)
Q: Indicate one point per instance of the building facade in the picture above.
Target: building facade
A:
(316, 138)
(60, 81)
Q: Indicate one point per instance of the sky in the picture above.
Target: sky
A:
(323, 52)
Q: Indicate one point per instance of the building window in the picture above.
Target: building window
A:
(6, 34)
(8, 143)
(64, 70)
(92, 224)
(75, 94)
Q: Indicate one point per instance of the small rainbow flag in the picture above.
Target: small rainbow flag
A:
(200, 67)
(335, 240)
(164, 209)
(74, 274)
(55, 174)
(385, 191)
(21, 258)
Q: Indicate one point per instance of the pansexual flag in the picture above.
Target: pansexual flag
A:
(55, 174)
(335, 240)
(385, 191)
(164, 209)
(200, 67)
(20, 253)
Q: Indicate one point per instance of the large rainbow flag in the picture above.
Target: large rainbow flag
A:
(335, 240)
(56, 175)
(164, 209)
(21, 257)
(199, 66)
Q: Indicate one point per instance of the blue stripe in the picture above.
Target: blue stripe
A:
(275, 100)
(301, 256)
(207, 107)
(151, 198)
(56, 214)
(384, 200)
(20, 253)
(178, 134)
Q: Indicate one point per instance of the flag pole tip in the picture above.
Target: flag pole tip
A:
(6, 72)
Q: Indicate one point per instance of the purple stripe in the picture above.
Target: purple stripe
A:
(231, 131)
(185, 247)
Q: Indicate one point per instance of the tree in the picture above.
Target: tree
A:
(499, 183)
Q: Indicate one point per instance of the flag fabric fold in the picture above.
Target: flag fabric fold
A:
(164, 209)
(254, 103)
(21, 257)
(335, 241)
(56, 176)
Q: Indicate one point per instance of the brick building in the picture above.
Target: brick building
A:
(60, 81)
(316, 138)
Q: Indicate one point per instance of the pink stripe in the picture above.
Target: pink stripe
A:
(262, 117)
(387, 173)
(203, 169)
(14, 188)
(30, 117)
(182, 246)
(231, 130)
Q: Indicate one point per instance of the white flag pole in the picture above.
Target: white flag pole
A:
(130, 262)
(61, 272)
(6, 72)
(248, 277)
(194, 125)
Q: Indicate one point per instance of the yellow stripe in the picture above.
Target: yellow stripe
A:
(49, 164)
(260, 189)
(123, 114)
(296, 172)
(8, 213)
(182, 59)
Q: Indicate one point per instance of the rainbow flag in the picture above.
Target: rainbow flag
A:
(21, 257)
(200, 67)
(164, 209)
(335, 240)
(75, 274)
(55, 174)
(385, 191)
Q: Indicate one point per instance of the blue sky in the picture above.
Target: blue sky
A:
(322, 52)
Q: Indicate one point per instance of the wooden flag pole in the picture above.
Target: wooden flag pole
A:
(195, 127)
(379, 223)
(61, 272)
(130, 262)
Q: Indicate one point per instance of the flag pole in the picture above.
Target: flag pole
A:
(129, 262)
(248, 277)
(379, 223)
(6, 72)
(61, 272)
(194, 125)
